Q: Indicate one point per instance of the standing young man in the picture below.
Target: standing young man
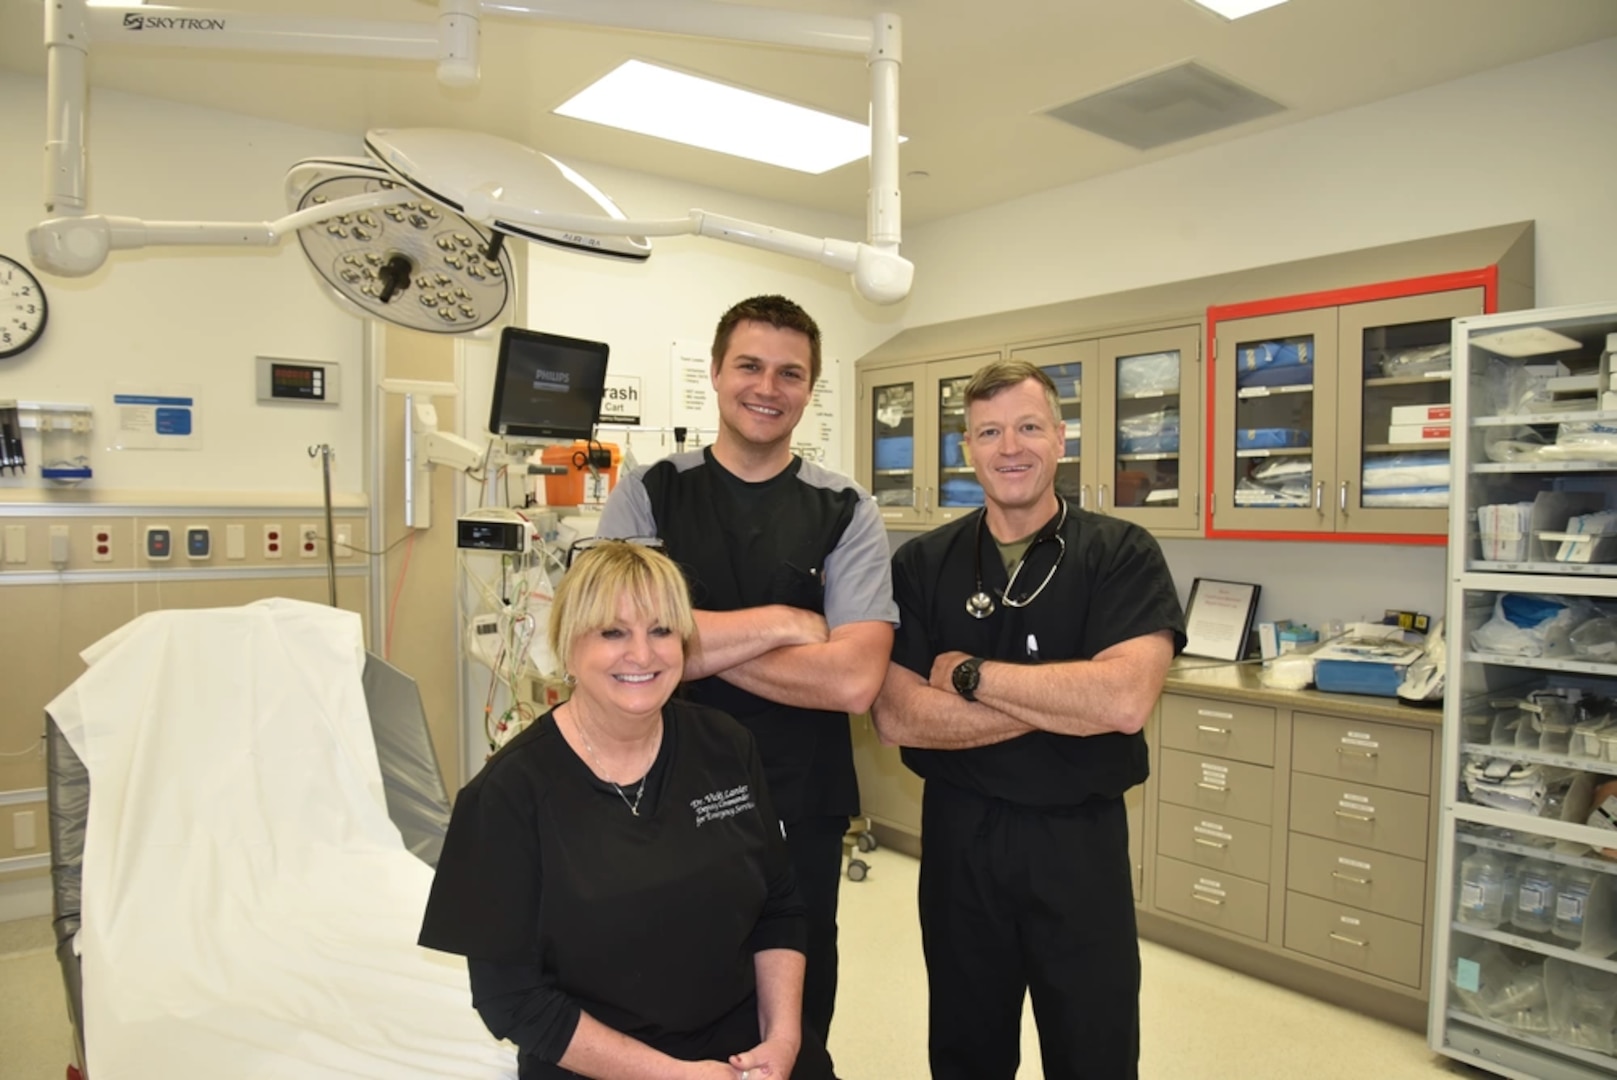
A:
(1033, 643)
(789, 572)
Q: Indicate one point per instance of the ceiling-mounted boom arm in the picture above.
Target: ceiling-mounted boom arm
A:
(76, 243)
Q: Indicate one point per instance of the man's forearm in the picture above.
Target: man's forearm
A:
(841, 675)
(1115, 691)
(726, 639)
(908, 712)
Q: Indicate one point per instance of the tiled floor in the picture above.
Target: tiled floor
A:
(1198, 1020)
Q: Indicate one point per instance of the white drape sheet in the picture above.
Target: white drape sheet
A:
(249, 909)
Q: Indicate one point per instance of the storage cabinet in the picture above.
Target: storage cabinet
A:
(1333, 419)
(1132, 405)
(1524, 974)
(910, 456)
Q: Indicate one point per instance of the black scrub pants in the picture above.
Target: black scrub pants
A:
(815, 845)
(1015, 899)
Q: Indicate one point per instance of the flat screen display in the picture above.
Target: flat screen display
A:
(547, 386)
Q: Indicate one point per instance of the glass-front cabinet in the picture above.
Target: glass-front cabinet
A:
(1335, 419)
(1524, 978)
(911, 450)
(1130, 403)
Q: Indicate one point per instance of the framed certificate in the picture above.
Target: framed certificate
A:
(1218, 619)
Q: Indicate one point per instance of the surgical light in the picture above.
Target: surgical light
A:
(415, 233)
(1237, 9)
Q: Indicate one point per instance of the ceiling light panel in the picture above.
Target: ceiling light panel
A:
(1237, 9)
(650, 100)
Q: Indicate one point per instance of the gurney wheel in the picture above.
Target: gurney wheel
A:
(857, 869)
(865, 842)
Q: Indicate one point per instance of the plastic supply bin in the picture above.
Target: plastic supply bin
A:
(578, 485)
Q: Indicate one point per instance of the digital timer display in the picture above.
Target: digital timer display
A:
(293, 381)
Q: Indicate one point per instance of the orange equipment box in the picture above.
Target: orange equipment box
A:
(579, 484)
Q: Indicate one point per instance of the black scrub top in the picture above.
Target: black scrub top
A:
(647, 923)
(1112, 585)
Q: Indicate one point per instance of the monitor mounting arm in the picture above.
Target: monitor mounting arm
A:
(74, 242)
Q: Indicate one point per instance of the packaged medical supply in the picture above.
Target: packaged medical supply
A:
(1271, 438)
(1417, 469)
(960, 492)
(1270, 355)
(1529, 625)
(897, 452)
(1421, 414)
(1400, 434)
(1148, 375)
(1421, 360)
(1502, 529)
(1420, 497)
(1149, 433)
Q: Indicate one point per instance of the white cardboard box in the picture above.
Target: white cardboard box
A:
(1423, 414)
(1417, 433)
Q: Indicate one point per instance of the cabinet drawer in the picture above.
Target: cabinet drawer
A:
(1380, 754)
(1217, 899)
(1214, 841)
(1226, 728)
(1232, 788)
(1373, 880)
(1358, 814)
(1353, 938)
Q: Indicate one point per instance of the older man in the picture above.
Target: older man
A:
(1034, 638)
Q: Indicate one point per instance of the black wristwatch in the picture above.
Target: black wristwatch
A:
(967, 674)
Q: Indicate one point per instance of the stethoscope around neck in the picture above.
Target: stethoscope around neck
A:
(979, 605)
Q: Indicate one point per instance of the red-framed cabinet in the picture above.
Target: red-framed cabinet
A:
(1329, 415)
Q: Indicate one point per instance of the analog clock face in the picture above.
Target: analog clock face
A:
(22, 307)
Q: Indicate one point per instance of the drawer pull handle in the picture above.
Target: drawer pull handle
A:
(1344, 939)
(1204, 842)
(1355, 817)
(1215, 901)
(1220, 788)
(1348, 751)
(1211, 730)
(1350, 878)
(1214, 714)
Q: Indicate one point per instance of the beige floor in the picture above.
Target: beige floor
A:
(1198, 1021)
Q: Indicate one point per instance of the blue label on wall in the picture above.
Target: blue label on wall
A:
(173, 421)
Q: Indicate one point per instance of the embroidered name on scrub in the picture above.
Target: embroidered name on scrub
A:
(718, 805)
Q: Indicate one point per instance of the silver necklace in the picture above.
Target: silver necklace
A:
(634, 807)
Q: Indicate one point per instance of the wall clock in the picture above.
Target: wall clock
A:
(23, 309)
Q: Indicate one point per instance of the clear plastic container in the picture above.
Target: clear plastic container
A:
(1572, 887)
(1483, 876)
(1535, 896)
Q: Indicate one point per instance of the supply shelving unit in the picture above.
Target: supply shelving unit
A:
(1537, 1046)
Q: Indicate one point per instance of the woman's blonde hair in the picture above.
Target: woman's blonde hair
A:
(609, 570)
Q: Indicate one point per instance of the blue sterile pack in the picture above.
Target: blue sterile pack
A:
(1065, 376)
(953, 456)
(1353, 677)
(895, 452)
(1270, 355)
(1149, 433)
(960, 493)
(1271, 438)
(1073, 448)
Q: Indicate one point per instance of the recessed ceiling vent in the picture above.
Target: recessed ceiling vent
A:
(1179, 103)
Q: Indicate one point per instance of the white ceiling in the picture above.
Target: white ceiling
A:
(972, 88)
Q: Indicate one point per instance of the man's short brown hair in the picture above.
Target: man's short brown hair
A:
(999, 375)
(777, 311)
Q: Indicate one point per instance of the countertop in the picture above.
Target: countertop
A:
(1239, 682)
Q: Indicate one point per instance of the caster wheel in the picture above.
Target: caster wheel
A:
(865, 842)
(857, 869)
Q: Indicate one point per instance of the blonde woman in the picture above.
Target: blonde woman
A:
(615, 875)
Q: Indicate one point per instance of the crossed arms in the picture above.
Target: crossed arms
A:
(1114, 691)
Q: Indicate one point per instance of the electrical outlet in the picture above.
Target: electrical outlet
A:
(23, 833)
(308, 540)
(101, 548)
(16, 544)
(344, 541)
(273, 538)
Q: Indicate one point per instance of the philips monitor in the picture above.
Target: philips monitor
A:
(547, 386)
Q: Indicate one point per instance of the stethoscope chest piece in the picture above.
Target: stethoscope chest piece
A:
(979, 605)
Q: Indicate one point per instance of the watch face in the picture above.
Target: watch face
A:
(22, 307)
(966, 676)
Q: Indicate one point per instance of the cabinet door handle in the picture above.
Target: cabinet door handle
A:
(1350, 878)
(1220, 788)
(1319, 496)
(926, 500)
(1083, 496)
(1344, 939)
(1215, 901)
(1355, 817)
(1341, 497)
(1349, 751)
(1211, 730)
(1100, 498)
(1204, 842)
(915, 498)
(1214, 714)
